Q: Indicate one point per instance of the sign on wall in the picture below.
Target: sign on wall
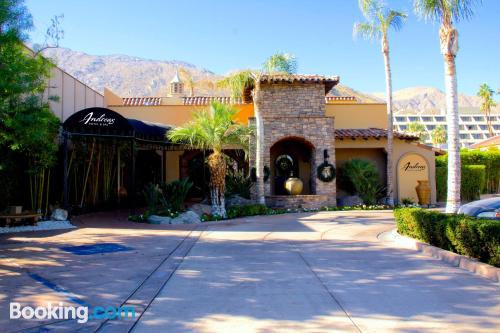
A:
(411, 169)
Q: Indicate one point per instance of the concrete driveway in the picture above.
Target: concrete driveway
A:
(315, 272)
(324, 272)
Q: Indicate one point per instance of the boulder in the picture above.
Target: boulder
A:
(59, 214)
(349, 200)
(201, 209)
(237, 200)
(188, 217)
(157, 219)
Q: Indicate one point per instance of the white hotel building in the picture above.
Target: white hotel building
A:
(472, 121)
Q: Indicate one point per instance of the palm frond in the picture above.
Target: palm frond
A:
(444, 10)
(238, 82)
(395, 19)
(370, 8)
(366, 30)
(212, 128)
(280, 63)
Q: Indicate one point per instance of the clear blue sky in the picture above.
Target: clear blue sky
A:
(223, 35)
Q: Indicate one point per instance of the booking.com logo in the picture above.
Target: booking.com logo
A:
(61, 311)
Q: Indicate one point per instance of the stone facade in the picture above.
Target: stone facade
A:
(292, 111)
(297, 201)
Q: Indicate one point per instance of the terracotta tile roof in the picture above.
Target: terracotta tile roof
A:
(370, 133)
(490, 142)
(329, 82)
(141, 101)
(340, 98)
(205, 100)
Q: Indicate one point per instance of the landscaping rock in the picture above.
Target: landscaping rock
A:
(156, 219)
(349, 200)
(188, 217)
(59, 214)
(236, 200)
(201, 209)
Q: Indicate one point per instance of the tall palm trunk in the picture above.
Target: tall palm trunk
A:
(217, 166)
(449, 49)
(390, 136)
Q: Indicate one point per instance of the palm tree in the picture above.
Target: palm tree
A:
(214, 129)
(379, 20)
(486, 94)
(446, 12)
(188, 79)
(417, 129)
(240, 83)
(280, 62)
(438, 135)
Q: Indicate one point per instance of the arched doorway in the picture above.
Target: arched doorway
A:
(290, 156)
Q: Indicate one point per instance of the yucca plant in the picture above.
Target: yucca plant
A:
(213, 129)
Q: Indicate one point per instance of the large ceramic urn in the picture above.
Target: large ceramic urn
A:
(294, 185)
(423, 192)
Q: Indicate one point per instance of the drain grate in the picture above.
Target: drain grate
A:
(85, 250)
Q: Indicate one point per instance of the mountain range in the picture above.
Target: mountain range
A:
(130, 76)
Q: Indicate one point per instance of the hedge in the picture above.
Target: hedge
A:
(489, 158)
(465, 235)
(473, 178)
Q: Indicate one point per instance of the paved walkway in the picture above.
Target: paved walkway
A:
(321, 272)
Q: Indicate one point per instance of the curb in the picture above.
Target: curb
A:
(487, 271)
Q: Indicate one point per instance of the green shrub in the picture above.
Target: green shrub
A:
(363, 177)
(490, 159)
(175, 193)
(425, 225)
(465, 235)
(152, 194)
(472, 181)
(473, 178)
(237, 183)
(441, 179)
(246, 210)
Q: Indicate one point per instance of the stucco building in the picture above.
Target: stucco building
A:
(294, 117)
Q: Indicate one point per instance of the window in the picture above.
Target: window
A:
(403, 127)
(466, 118)
(440, 118)
(483, 127)
(431, 127)
(401, 119)
(464, 136)
(413, 118)
(477, 136)
(478, 118)
(426, 119)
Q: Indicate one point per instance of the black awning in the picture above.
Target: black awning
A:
(103, 122)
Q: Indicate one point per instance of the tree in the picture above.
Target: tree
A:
(487, 102)
(438, 135)
(241, 82)
(418, 129)
(214, 129)
(446, 12)
(280, 62)
(187, 77)
(379, 20)
(27, 127)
